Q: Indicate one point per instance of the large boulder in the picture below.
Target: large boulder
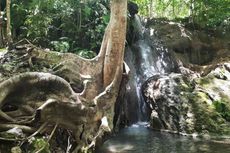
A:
(184, 106)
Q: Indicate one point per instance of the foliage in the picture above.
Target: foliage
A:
(223, 109)
(60, 46)
(143, 6)
(86, 54)
(212, 13)
(209, 13)
(45, 22)
(163, 8)
(39, 144)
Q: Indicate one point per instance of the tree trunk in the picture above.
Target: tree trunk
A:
(8, 24)
(151, 8)
(1, 22)
(173, 8)
(89, 113)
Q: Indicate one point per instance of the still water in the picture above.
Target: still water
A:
(138, 139)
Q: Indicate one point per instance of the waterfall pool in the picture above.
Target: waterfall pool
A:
(139, 139)
(147, 57)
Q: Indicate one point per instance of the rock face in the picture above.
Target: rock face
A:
(190, 46)
(200, 105)
(195, 99)
(170, 109)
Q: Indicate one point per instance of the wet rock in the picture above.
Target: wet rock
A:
(155, 121)
(189, 45)
(165, 97)
(201, 53)
(181, 105)
(132, 8)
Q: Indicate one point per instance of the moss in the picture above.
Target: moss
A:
(209, 115)
(206, 117)
(8, 67)
(2, 49)
(213, 116)
(222, 108)
(205, 80)
(183, 84)
(51, 56)
(184, 87)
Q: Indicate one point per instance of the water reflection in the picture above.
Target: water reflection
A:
(138, 139)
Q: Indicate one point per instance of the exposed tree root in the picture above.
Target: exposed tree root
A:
(7, 117)
(24, 128)
(59, 105)
(42, 127)
(78, 94)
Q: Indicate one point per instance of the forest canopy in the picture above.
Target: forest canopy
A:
(206, 12)
(78, 26)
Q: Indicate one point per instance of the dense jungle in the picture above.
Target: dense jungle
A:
(114, 76)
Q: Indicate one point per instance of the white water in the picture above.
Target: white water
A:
(145, 58)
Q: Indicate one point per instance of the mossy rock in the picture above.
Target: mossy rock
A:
(217, 86)
(223, 108)
(202, 105)
(207, 118)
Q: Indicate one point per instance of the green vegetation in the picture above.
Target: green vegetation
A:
(39, 145)
(78, 26)
(223, 108)
(75, 26)
(209, 13)
(63, 25)
(2, 49)
(205, 115)
(86, 54)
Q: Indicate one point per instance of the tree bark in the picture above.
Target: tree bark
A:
(8, 24)
(89, 113)
(151, 9)
(1, 22)
(115, 48)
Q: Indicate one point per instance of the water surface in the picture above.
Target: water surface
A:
(138, 139)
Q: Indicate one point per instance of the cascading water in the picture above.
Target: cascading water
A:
(145, 59)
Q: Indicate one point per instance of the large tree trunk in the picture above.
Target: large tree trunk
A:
(150, 8)
(54, 99)
(1, 22)
(115, 47)
(8, 23)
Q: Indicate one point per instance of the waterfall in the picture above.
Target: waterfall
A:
(145, 57)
